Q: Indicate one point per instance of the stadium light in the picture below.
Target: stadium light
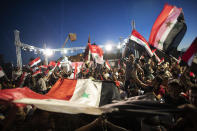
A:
(65, 51)
(48, 52)
(108, 47)
(118, 46)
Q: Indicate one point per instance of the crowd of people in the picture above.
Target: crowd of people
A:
(169, 82)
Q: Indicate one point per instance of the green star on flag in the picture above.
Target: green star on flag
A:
(168, 24)
(159, 42)
(85, 95)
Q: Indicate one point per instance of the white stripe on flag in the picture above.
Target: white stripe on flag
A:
(162, 37)
(189, 62)
(61, 106)
(87, 92)
(35, 63)
(140, 42)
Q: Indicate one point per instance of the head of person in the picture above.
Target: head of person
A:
(193, 95)
(174, 88)
(156, 82)
(132, 58)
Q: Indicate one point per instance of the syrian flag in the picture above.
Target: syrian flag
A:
(107, 65)
(36, 73)
(1, 72)
(43, 67)
(87, 51)
(188, 56)
(52, 64)
(67, 96)
(156, 56)
(97, 53)
(35, 62)
(179, 60)
(168, 29)
(76, 67)
(34, 69)
(22, 79)
(140, 40)
(119, 66)
(161, 61)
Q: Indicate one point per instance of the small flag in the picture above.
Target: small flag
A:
(161, 61)
(35, 62)
(189, 54)
(107, 65)
(36, 73)
(22, 79)
(139, 39)
(156, 56)
(97, 53)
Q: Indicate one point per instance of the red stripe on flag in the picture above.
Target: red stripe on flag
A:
(63, 89)
(190, 52)
(159, 21)
(35, 61)
(137, 34)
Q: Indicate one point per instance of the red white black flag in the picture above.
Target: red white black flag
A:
(140, 40)
(34, 62)
(189, 54)
(168, 29)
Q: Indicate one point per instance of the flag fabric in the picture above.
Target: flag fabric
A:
(189, 54)
(1, 72)
(140, 40)
(107, 65)
(36, 73)
(76, 66)
(161, 61)
(119, 66)
(43, 67)
(35, 62)
(156, 56)
(84, 91)
(22, 79)
(87, 50)
(19, 93)
(179, 60)
(34, 69)
(168, 29)
(96, 52)
(67, 96)
(52, 64)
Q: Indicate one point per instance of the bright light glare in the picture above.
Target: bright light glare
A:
(108, 47)
(64, 51)
(48, 52)
(118, 46)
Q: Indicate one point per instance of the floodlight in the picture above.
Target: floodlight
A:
(48, 52)
(108, 47)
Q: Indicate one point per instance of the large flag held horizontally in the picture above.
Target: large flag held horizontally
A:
(140, 40)
(188, 56)
(168, 29)
(67, 96)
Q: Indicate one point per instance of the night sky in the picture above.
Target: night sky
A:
(49, 21)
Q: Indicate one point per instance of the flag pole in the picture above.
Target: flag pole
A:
(133, 28)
